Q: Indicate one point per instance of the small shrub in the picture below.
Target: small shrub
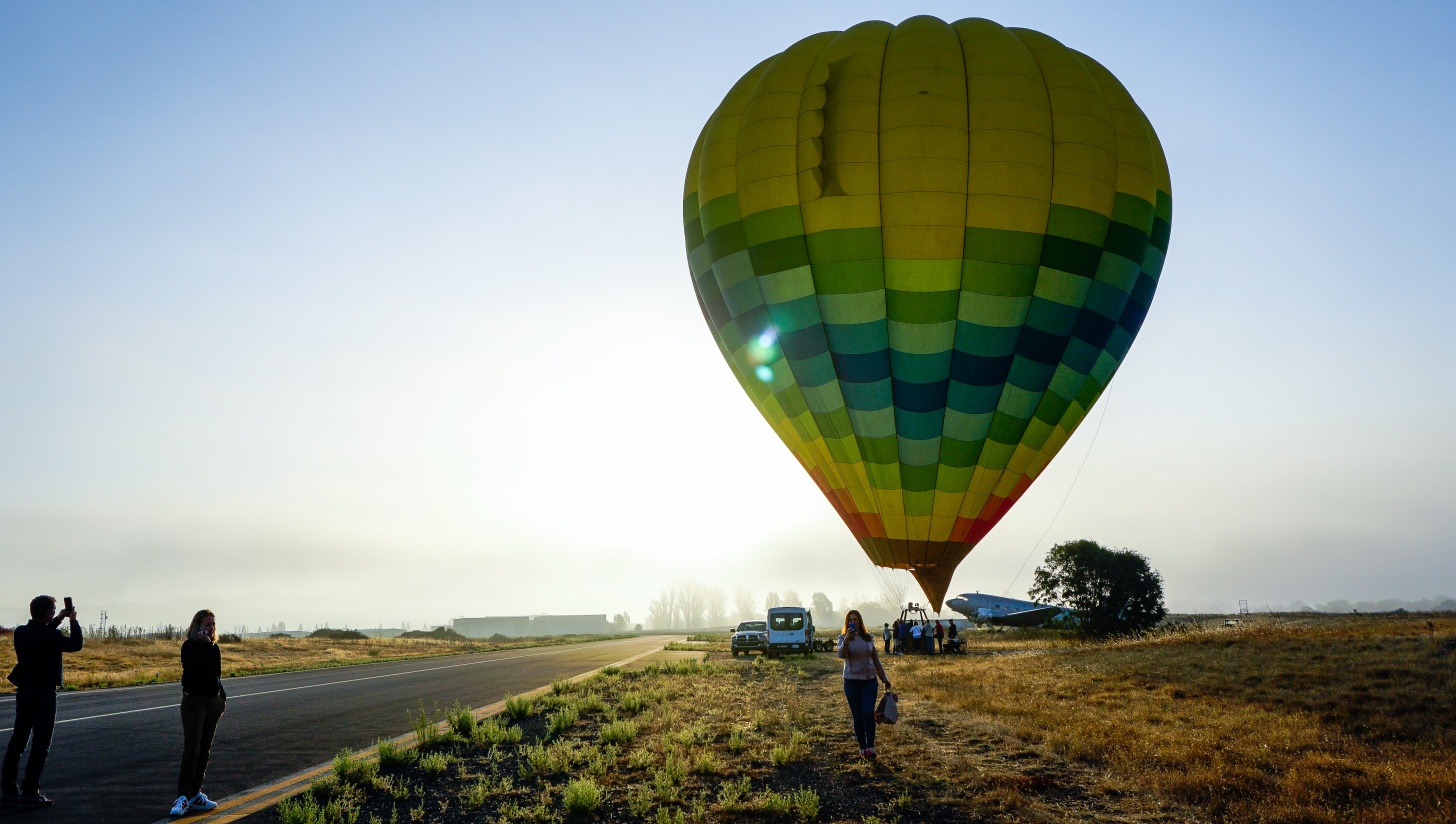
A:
(230, 638)
(707, 763)
(590, 703)
(664, 789)
(641, 759)
(477, 794)
(427, 733)
(668, 816)
(561, 721)
(491, 732)
(582, 796)
(782, 754)
(675, 767)
(461, 721)
(771, 802)
(634, 702)
(806, 804)
(351, 768)
(691, 734)
(618, 732)
(328, 801)
(609, 671)
(520, 706)
(562, 686)
(434, 764)
(393, 756)
(639, 801)
(735, 741)
(732, 793)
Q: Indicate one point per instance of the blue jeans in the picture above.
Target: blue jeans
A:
(861, 694)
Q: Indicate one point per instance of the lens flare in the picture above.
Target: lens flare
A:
(764, 373)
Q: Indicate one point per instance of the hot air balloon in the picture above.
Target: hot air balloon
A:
(924, 250)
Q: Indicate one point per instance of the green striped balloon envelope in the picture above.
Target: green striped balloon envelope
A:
(924, 250)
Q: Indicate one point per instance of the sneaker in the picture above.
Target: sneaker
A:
(871, 754)
(182, 806)
(35, 800)
(202, 802)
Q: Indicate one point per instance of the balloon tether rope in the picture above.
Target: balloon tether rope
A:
(1106, 402)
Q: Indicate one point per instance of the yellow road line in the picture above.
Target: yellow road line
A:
(259, 798)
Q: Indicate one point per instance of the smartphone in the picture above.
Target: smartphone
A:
(69, 605)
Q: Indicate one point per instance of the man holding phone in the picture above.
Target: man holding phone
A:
(39, 645)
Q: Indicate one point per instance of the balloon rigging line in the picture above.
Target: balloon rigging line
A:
(1106, 402)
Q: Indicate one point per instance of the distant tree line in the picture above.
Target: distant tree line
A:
(691, 605)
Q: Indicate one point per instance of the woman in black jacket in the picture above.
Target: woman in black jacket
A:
(203, 703)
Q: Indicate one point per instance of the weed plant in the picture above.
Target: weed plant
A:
(561, 720)
(582, 796)
(393, 756)
(520, 706)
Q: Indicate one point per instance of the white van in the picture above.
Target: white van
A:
(790, 631)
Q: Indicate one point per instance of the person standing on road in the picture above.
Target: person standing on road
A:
(38, 672)
(888, 635)
(861, 668)
(203, 702)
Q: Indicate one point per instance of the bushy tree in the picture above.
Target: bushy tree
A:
(1112, 591)
(822, 606)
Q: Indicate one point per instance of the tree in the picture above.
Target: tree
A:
(1112, 591)
(717, 608)
(743, 604)
(822, 606)
(771, 600)
(791, 599)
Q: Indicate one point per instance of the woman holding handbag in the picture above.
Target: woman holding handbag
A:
(861, 669)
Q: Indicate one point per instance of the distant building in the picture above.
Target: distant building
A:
(528, 626)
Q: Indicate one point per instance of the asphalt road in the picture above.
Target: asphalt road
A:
(116, 751)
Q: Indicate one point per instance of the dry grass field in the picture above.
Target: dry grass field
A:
(119, 662)
(1336, 719)
(1282, 719)
(732, 739)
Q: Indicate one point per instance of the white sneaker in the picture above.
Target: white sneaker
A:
(182, 806)
(202, 802)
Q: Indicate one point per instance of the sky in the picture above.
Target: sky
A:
(374, 313)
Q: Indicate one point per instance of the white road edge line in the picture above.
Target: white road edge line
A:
(330, 683)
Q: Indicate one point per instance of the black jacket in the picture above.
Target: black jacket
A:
(202, 669)
(38, 649)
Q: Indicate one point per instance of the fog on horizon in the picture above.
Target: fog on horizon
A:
(383, 316)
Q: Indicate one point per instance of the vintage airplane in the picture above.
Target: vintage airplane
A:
(998, 610)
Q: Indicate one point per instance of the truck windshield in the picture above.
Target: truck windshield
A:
(752, 626)
(786, 622)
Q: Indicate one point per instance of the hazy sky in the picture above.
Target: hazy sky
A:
(374, 312)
